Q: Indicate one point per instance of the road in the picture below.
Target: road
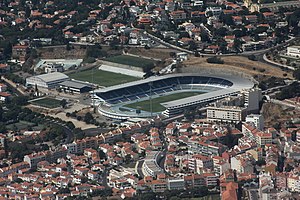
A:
(104, 177)
(14, 86)
(277, 64)
(68, 131)
(162, 158)
(253, 194)
(245, 53)
(139, 168)
(275, 89)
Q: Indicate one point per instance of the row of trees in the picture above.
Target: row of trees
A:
(174, 194)
(291, 91)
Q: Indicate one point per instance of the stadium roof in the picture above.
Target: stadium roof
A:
(52, 77)
(75, 84)
(205, 96)
(238, 82)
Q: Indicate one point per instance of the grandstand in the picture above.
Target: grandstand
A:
(113, 100)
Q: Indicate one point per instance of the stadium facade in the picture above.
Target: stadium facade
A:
(48, 81)
(112, 100)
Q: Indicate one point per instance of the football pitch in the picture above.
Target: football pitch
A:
(156, 102)
(47, 102)
(102, 78)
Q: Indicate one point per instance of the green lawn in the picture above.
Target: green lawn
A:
(21, 125)
(102, 78)
(131, 60)
(156, 102)
(47, 102)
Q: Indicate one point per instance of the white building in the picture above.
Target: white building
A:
(215, 11)
(298, 136)
(200, 162)
(224, 114)
(150, 166)
(50, 68)
(47, 80)
(293, 51)
(242, 164)
(3, 87)
(257, 120)
(175, 184)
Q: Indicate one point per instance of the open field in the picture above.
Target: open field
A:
(47, 102)
(60, 52)
(156, 102)
(238, 64)
(158, 53)
(102, 78)
(131, 60)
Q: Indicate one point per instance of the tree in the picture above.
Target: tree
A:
(20, 100)
(88, 118)
(291, 91)
(70, 125)
(289, 168)
(221, 31)
(68, 47)
(192, 45)
(252, 57)
(3, 128)
(215, 60)
(79, 134)
(172, 54)
(204, 37)
(127, 159)
(114, 44)
(63, 103)
(1, 113)
(95, 52)
(296, 74)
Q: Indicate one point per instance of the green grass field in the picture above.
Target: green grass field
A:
(131, 60)
(156, 102)
(47, 102)
(102, 78)
(21, 125)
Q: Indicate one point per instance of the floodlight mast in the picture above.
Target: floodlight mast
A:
(93, 99)
(150, 99)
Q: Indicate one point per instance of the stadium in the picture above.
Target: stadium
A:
(167, 95)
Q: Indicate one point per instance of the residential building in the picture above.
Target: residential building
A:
(257, 120)
(225, 114)
(293, 51)
(20, 52)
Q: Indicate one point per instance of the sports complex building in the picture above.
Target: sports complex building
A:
(169, 95)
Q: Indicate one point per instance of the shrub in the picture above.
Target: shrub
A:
(252, 57)
(215, 60)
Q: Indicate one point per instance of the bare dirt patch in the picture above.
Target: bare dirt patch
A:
(274, 114)
(61, 52)
(239, 64)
